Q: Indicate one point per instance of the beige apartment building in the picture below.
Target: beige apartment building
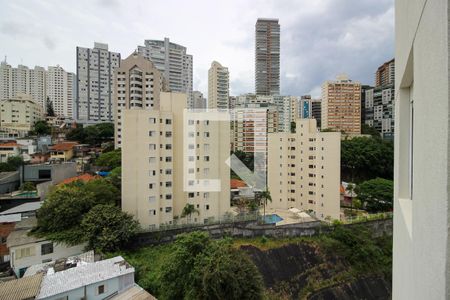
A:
(171, 158)
(218, 86)
(341, 105)
(304, 170)
(19, 113)
(250, 126)
(137, 85)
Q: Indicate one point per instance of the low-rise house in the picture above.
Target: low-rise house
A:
(39, 158)
(94, 281)
(7, 224)
(62, 151)
(9, 149)
(27, 250)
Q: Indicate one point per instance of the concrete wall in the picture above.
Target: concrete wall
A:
(421, 193)
(59, 172)
(250, 230)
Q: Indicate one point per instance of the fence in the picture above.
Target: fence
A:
(250, 229)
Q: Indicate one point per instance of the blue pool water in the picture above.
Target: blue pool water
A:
(272, 219)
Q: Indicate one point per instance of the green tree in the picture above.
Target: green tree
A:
(76, 134)
(200, 268)
(367, 129)
(264, 196)
(15, 161)
(364, 158)
(60, 216)
(115, 177)
(110, 160)
(41, 128)
(103, 191)
(99, 133)
(188, 210)
(376, 194)
(107, 228)
(49, 107)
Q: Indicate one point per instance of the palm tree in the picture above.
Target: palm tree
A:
(265, 196)
(188, 210)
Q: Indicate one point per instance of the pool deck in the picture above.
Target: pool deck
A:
(287, 216)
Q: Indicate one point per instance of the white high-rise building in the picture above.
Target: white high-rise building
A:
(165, 154)
(95, 69)
(23, 80)
(304, 170)
(218, 86)
(421, 252)
(173, 61)
(60, 90)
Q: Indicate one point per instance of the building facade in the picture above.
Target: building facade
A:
(173, 61)
(421, 249)
(60, 87)
(161, 166)
(95, 70)
(379, 108)
(267, 57)
(137, 85)
(341, 105)
(20, 113)
(218, 86)
(23, 80)
(385, 73)
(304, 170)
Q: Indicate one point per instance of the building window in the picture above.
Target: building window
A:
(46, 248)
(100, 289)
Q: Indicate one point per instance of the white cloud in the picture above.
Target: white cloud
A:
(320, 38)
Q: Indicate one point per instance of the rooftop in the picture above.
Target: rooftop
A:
(135, 293)
(29, 206)
(83, 275)
(20, 234)
(236, 183)
(83, 177)
(63, 146)
(21, 289)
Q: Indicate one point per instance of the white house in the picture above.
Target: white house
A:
(26, 250)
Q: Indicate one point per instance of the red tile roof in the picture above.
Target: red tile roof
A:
(63, 146)
(83, 177)
(236, 183)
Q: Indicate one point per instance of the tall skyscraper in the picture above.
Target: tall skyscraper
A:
(173, 61)
(161, 167)
(341, 105)
(137, 85)
(267, 57)
(60, 89)
(24, 81)
(304, 170)
(95, 69)
(218, 86)
(385, 73)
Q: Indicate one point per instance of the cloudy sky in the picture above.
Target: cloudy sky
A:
(319, 38)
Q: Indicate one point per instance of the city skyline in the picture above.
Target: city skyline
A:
(319, 44)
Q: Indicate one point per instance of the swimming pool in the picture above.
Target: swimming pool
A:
(272, 219)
